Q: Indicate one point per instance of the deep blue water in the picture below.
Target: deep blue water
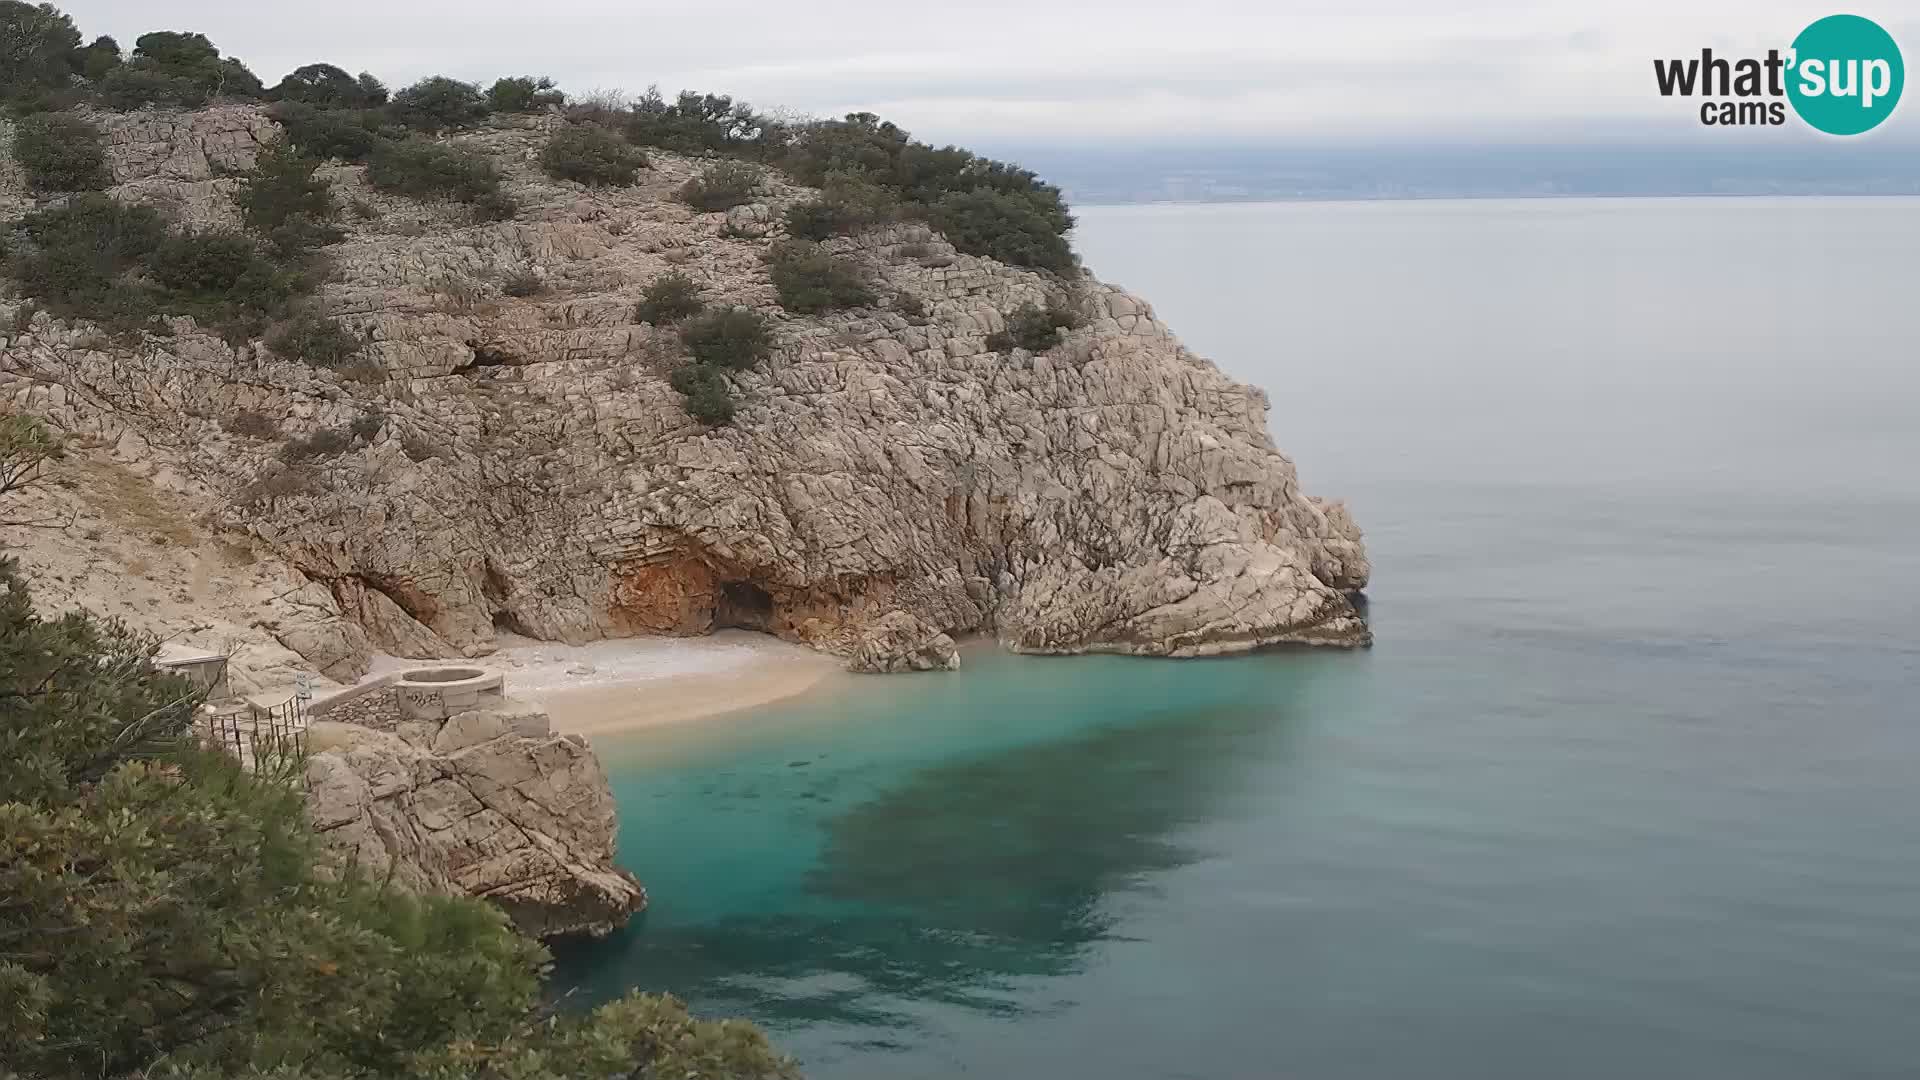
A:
(1629, 787)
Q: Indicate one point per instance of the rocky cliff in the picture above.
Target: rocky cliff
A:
(488, 803)
(520, 462)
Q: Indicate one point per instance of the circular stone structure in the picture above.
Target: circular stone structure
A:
(437, 693)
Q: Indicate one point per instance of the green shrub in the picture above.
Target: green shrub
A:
(987, 207)
(166, 912)
(419, 449)
(703, 123)
(721, 187)
(709, 398)
(495, 206)
(346, 134)
(592, 155)
(847, 205)
(1003, 226)
(314, 339)
(77, 257)
(523, 95)
(252, 424)
(439, 104)
(61, 152)
(810, 281)
(429, 170)
(222, 280)
(734, 337)
(283, 484)
(286, 203)
(327, 442)
(1033, 328)
(669, 298)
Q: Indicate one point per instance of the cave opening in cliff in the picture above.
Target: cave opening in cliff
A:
(744, 606)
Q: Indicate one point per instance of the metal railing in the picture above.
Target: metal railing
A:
(263, 738)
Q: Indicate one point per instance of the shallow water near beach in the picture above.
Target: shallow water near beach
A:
(1628, 786)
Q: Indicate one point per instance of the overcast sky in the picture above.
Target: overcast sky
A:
(1024, 70)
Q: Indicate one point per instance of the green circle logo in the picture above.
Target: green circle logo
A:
(1846, 75)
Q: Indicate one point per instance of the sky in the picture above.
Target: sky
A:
(1057, 71)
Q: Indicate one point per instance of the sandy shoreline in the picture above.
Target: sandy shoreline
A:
(624, 685)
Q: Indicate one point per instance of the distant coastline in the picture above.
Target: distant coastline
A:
(1669, 168)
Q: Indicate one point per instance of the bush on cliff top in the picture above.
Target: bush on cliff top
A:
(986, 207)
(523, 94)
(438, 104)
(164, 914)
(179, 69)
(1000, 225)
(694, 123)
(326, 86)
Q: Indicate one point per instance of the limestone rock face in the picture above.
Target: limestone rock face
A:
(902, 641)
(489, 804)
(533, 471)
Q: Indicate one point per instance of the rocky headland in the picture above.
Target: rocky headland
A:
(519, 462)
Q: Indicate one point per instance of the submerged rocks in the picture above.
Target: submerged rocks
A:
(489, 803)
(902, 641)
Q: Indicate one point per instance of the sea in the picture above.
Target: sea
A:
(1629, 785)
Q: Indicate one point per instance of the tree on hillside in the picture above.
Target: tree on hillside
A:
(329, 87)
(162, 912)
(177, 68)
(438, 104)
(37, 43)
(96, 60)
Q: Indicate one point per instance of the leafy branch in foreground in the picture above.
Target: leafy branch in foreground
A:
(163, 912)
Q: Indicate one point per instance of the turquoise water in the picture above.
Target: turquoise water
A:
(1627, 788)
